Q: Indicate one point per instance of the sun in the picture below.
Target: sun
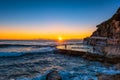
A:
(60, 38)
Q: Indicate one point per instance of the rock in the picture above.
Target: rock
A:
(109, 77)
(107, 37)
(53, 75)
(109, 28)
(118, 66)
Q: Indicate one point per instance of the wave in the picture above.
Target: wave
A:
(70, 75)
(31, 51)
(22, 45)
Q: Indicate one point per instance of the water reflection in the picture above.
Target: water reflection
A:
(79, 47)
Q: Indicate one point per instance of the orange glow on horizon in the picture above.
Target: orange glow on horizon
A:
(36, 37)
(24, 36)
(36, 33)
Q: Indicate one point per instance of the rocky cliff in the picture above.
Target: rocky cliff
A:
(109, 28)
(107, 36)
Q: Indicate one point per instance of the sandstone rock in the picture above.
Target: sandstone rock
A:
(109, 28)
(107, 36)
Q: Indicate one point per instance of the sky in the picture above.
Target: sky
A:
(51, 19)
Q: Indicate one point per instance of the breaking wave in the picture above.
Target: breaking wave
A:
(9, 50)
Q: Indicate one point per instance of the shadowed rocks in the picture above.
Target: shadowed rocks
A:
(109, 77)
(53, 75)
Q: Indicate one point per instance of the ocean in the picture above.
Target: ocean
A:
(33, 60)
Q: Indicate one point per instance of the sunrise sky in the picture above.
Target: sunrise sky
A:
(51, 19)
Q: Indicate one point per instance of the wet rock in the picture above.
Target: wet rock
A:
(118, 66)
(53, 75)
(109, 77)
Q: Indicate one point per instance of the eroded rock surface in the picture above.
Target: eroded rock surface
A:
(109, 28)
(107, 36)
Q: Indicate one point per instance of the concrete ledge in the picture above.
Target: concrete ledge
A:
(90, 56)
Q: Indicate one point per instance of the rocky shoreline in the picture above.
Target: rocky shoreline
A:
(92, 57)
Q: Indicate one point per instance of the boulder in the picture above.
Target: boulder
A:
(53, 75)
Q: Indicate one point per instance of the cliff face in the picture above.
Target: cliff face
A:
(107, 36)
(109, 28)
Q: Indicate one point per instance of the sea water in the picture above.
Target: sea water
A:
(33, 60)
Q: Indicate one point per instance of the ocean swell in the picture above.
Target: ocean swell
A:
(17, 51)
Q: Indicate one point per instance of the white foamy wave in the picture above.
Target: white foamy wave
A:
(68, 75)
(27, 51)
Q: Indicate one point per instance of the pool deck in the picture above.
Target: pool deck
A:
(90, 56)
